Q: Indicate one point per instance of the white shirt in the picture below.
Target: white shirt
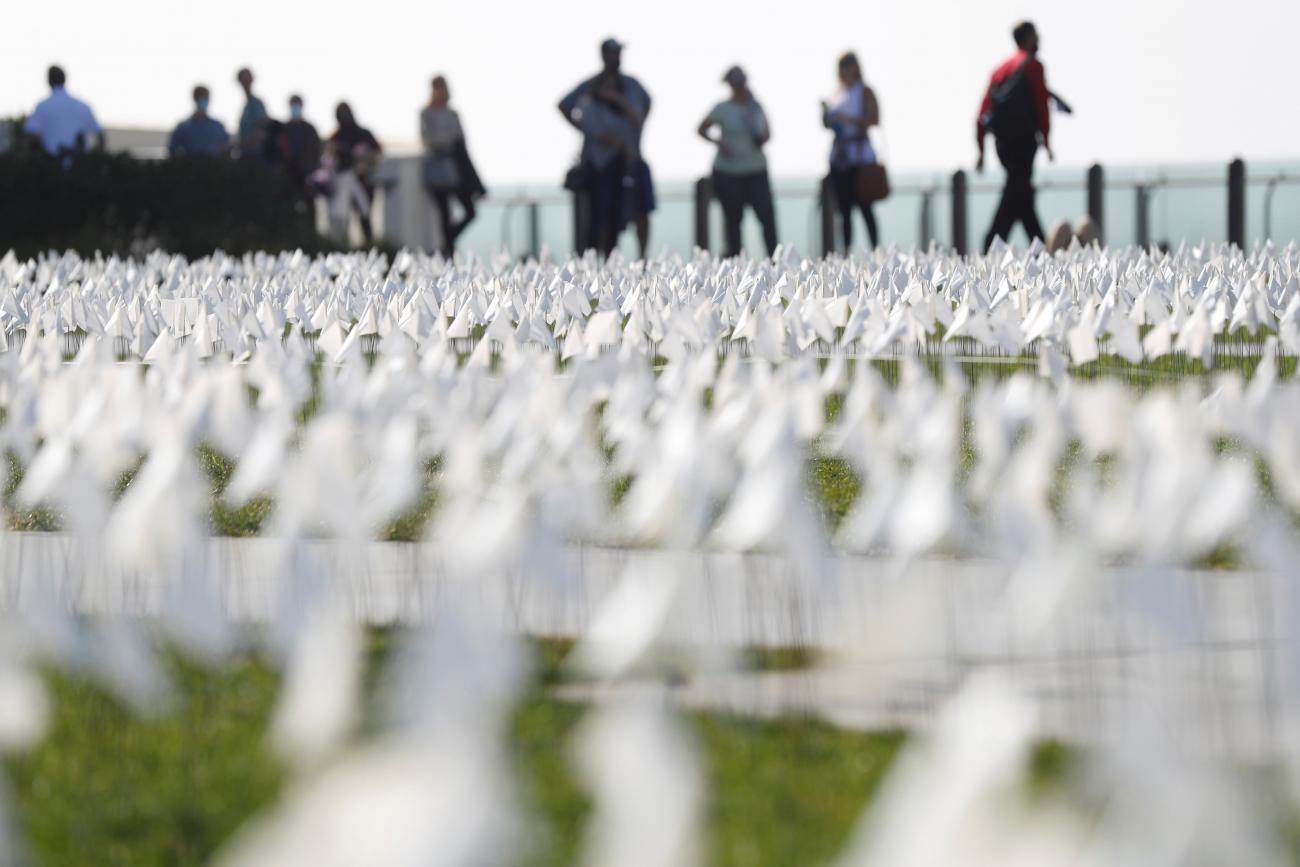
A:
(59, 119)
(851, 146)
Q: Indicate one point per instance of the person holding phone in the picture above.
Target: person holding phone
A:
(850, 115)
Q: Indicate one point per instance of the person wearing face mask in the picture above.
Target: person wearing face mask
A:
(299, 146)
(448, 170)
(199, 134)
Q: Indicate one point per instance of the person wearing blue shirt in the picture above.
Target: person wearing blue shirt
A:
(61, 123)
(199, 134)
(610, 110)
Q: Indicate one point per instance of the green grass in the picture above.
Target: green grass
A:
(109, 787)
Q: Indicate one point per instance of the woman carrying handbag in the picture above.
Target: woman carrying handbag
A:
(857, 176)
(448, 171)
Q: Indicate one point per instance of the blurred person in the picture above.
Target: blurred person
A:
(1015, 111)
(1059, 236)
(354, 153)
(1062, 234)
(254, 122)
(740, 168)
(448, 170)
(850, 116)
(200, 133)
(1088, 231)
(300, 147)
(61, 123)
(610, 110)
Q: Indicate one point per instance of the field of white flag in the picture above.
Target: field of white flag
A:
(993, 502)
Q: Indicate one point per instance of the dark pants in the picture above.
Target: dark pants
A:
(1017, 204)
(844, 182)
(605, 192)
(442, 203)
(734, 192)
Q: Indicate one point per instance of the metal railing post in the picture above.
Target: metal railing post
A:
(581, 222)
(927, 231)
(1237, 203)
(703, 199)
(535, 229)
(828, 217)
(960, 240)
(1096, 200)
(1143, 226)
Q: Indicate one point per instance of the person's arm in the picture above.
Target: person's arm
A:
(33, 126)
(1038, 89)
(870, 109)
(636, 109)
(569, 104)
(706, 127)
(763, 134)
(426, 134)
(173, 145)
(94, 132)
(981, 131)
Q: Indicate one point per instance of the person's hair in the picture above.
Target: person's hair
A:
(56, 76)
(200, 90)
(1022, 33)
(295, 99)
(344, 108)
(439, 80)
(848, 57)
(242, 72)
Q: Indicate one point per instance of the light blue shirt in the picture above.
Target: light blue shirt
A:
(59, 120)
(595, 118)
(198, 135)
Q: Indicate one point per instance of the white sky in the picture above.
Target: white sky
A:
(1151, 80)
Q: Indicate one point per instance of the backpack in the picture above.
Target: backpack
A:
(1011, 112)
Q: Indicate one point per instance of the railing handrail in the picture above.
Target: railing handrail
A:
(1095, 183)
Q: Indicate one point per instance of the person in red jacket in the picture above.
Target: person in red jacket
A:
(1015, 110)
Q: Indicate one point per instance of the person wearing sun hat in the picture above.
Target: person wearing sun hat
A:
(740, 168)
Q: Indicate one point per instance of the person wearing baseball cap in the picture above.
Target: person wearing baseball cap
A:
(610, 111)
(740, 168)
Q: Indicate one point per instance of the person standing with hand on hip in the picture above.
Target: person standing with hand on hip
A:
(1015, 110)
(448, 170)
(740, 169)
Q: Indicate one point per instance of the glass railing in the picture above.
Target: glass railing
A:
(1137, 205)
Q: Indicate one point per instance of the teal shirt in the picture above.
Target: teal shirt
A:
(251, 121)
(739, 125)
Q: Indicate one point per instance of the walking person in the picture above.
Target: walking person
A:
(354, 153)
(448, 170)
(740, 168)
(850, 116)
(1015, 110)
(610, 110)
(200, 134)
(253, 121)
(61, 123)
